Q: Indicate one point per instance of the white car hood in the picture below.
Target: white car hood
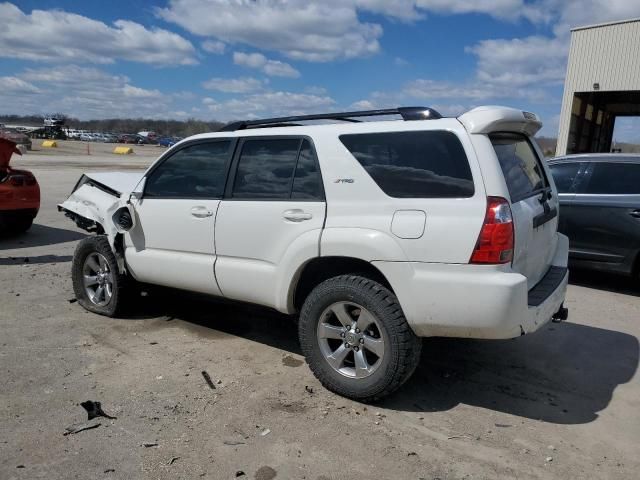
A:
(97, 197)
(121, 182)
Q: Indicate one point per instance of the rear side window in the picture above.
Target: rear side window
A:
(614, 178)
(520, 165)
(427, 164)
(564, 174)
(277, 168)
(196, 171)
(307, 183)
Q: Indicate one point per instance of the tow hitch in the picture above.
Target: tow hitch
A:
(561, 314)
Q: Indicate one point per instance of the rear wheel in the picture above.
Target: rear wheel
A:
(355, 338)
(98, 285)
(22, 223)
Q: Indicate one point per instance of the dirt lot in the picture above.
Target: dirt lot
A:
(561, 403)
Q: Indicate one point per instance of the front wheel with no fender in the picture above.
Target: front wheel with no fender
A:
(356, 339)
(97, 283)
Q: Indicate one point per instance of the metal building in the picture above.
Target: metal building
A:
(602, 83)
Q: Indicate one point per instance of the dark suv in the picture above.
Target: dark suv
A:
(600, 210)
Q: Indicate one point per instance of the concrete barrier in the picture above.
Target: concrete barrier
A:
(123, 150)
(50, 144)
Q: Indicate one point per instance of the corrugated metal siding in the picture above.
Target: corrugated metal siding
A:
(608, 55)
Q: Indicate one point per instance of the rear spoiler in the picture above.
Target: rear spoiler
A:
(485, 120)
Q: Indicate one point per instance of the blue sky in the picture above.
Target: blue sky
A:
(230, 59)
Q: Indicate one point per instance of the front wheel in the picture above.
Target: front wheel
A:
(98, 285)
(356, 339)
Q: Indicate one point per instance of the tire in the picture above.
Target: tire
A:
(362, 301)
(22, 223)
(98, 249)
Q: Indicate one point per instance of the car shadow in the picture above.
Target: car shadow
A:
(565, 373)
(605, 281)
(38, 236)
(35, 259)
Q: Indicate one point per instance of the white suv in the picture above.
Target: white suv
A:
(375, 233)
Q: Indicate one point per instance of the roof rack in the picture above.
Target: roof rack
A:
(407, 113)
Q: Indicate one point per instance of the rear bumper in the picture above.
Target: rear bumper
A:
(477, 301)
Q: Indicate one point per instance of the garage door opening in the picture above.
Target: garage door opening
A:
(594, 116)
(626, 135)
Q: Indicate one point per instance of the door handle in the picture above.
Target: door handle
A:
(201, 212)
(296, 215)
(635, 213)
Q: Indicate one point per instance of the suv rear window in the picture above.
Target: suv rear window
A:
(427, 164)
(520, 165)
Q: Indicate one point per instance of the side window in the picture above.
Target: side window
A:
(196, 171)
(265, 168)
(564, 174)
(427, 164)
(614, 178)
(520, 165)
(307, 182)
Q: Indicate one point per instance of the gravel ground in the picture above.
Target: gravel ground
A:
(560, 403)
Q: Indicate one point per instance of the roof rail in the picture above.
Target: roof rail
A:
(407, 113)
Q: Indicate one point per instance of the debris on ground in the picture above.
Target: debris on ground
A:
(80, 427)
(73, 300)
(548, 459)
(502, 425)
(240, 473)
(309, 389)
(290, 361)
(94, 409)
(265, 432)
(173, 459)
(233, 442)
(265, 473)
(207, 379)
(110, 470)
(149, 444)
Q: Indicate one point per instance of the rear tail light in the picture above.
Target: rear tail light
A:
(495, 243)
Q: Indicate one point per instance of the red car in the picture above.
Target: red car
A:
(19, 193)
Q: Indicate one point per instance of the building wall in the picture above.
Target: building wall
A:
(608, 55)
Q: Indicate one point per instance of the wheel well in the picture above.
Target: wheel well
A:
(635, 269)
(320, 269)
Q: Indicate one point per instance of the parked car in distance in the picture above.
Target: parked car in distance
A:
(600, 210)
(168, 141)
(374, 233)
(128, 138)
(19, 193)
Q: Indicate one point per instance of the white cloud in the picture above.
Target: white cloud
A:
(59, 36)
(362, 105)
(502, 9)
(233, 85)
(84, 92)
(313, 31)
(268, 104)
(273, 68)
(16, 86)
(214, 46)
(521, 62)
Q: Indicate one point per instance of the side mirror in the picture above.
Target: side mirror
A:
(139, 189)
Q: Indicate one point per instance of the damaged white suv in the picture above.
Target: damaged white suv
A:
(375, 233)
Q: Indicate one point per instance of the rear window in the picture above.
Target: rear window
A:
(520, 165)
(614, 178)
(429, 164)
